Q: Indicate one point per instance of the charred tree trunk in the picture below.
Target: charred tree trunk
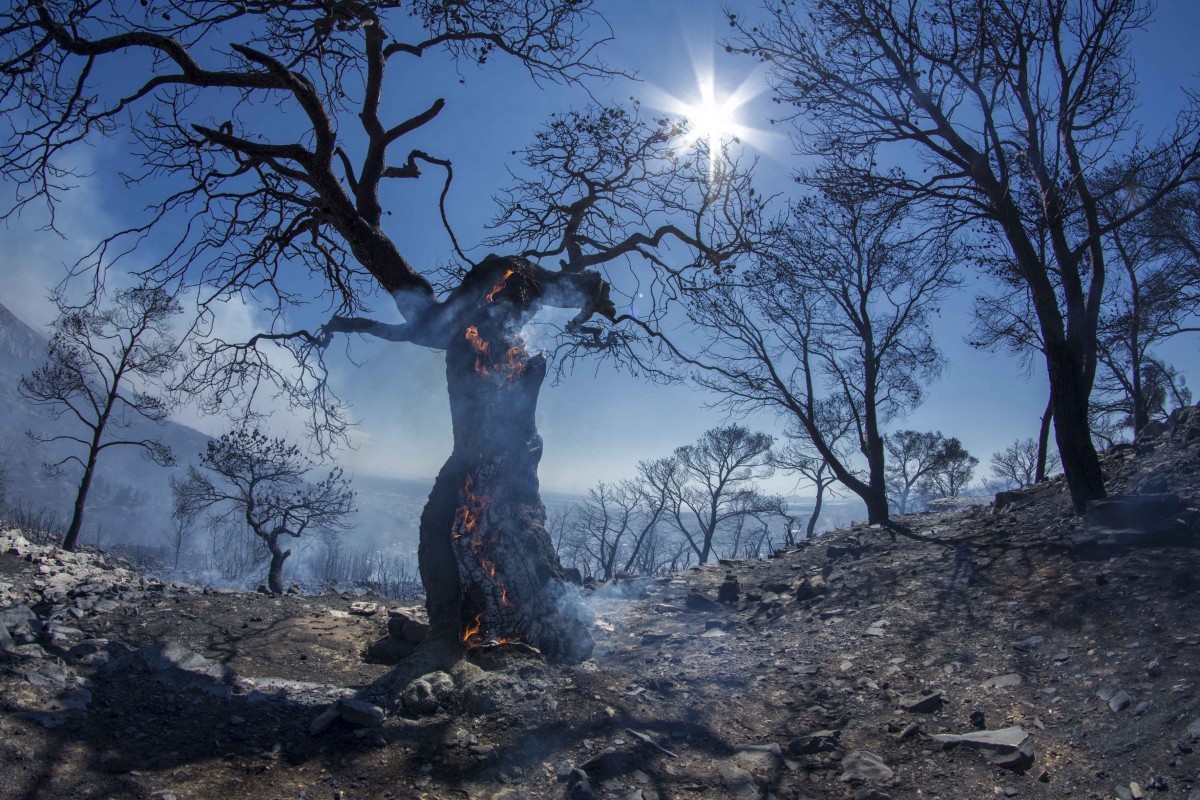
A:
(275, 571)
(816, 512)
(489, 567)
(1044, 442)
(71, 540)
(1072, 432)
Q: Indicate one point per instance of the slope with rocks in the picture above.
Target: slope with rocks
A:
(1015, 651)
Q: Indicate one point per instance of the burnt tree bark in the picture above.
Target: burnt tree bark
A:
(490, 569)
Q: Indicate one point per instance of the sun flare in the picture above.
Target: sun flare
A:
(712, 120)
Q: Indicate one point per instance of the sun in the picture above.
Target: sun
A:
(711, 120)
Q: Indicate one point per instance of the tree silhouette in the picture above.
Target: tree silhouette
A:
(1014, 108)
(245, 476)
(101, 372)
(264, 142)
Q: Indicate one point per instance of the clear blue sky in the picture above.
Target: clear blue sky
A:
(597, 424)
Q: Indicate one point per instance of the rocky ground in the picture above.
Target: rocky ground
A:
(1017, 651)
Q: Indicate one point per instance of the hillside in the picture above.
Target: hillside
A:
(1019, 651)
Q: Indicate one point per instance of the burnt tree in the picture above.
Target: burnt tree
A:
(285, 206)
(102, 370)
(246, 476)
(1000, 100)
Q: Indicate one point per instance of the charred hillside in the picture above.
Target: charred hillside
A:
(1021, 650)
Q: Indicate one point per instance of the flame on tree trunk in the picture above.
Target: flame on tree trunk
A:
(490, 571)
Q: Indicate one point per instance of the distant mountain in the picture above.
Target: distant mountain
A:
(130, 499)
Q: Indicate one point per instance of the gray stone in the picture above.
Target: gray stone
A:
(1000, 739)
(176, 666)
(14, 616)
(427, 693)
(1120, 700)
(579, 787)
(1006, 681)
(364, 609)
(390, 649)
(6, 640)
(322, 721)
(1132, 511)
(1029, 644)
(698, 602)
(1192, 734)
(926, 704)
(861, 766)
(359, 712)
(1010, 748)
(815, 742)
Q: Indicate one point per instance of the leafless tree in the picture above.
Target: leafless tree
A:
(953, 468)
(101, 374)
(247, 476)
(1000, 100)
(713, 487)
(1006, 320)
(912, 456)
(837, 313)
(177, 537)
(1016, 465)
(287, 206)
(802, 458)
(1154, 297)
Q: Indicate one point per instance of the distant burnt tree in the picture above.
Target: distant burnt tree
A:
(836, 312)
(1001, 101)
(261, 136)
(247, 477)
(1017, 465)
(713, 493)
(101, 374)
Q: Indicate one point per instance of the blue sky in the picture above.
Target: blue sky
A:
(598, 423)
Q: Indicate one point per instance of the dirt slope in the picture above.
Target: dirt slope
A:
(1074, 640)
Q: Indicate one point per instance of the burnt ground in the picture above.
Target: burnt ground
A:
(1083, 632)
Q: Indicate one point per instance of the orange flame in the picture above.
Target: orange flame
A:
(468, 526)
(490, 296)
(515, 358)
(472, 630)
(481, 350)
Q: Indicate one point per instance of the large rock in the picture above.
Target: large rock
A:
(1011, 748)
(863, 766)
(1132, 511)
(408, 624)
(176, 666)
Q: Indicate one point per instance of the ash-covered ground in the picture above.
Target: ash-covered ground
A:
(1020, 651)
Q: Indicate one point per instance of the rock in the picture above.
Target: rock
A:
(910, 730)
(1010, 748)
(6, 640)
(390, 650)
(867, 793)
(698, 602)
(427, 693)
(815, 742)
(408, 624)
(926, 704)
(1192, 734)
(176, 666)
(1006, 681)
(759, 757)
(1152, 430)
(729, 589)
(359, 712)
(740, 782)
(322, 721)
(1061, 656)
(1154, 485)
(1029, 644)
(1117, 699)
(861, 766)
(578, 786)
(1132, 511)
(12, 617)
(363, 609)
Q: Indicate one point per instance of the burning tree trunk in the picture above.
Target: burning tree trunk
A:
(490, 570)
